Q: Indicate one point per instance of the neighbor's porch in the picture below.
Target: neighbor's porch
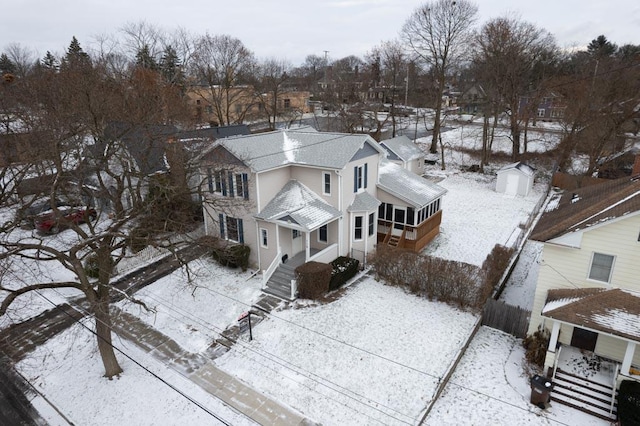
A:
(414, 238)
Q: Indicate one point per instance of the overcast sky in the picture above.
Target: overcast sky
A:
(293, 29)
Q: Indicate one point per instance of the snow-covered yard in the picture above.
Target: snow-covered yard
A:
(374, 355)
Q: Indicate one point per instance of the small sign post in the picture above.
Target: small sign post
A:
(244, 323)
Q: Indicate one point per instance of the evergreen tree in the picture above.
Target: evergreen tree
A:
(170, 66)
(6, 65)
(50, 62)
(144, 59)
(75, 55)
(601, 47)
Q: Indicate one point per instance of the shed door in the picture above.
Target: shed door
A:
(512, 184)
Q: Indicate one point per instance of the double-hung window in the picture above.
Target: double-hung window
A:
(601, 267)
(357, 234)
(323, 234)
(360, 177)
(326, 183)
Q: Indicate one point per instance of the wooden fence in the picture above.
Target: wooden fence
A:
(508, 318)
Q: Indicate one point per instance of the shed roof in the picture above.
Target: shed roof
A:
(519, 166)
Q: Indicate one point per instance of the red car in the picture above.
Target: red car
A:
(53, 221)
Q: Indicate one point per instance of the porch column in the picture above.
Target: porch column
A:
(628, 356)
(307, 246)
(553, 340)
(550, 360)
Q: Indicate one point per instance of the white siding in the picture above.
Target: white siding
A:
(563, 267)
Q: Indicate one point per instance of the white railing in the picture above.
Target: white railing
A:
(266, 274)
(555, 362)
(613, 391)
(325, 256)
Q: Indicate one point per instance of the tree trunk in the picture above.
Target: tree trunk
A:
(441, 150)
(436, 121)
(485, 142)
(103, 332)
(515, 138)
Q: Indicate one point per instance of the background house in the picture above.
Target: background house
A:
(401, 150)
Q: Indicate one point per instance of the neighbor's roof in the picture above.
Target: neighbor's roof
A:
(520, 166)
(403, 148)
(411, 188)
(298, 204)
(363, 202)
(266, 151)
(585, 207)
(614, 311)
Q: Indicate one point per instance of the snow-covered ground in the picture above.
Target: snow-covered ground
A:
(372, 356)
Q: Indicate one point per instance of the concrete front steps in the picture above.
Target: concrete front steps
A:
(583, 394)
(279, 284)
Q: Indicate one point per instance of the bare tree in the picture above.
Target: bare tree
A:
(392, 61)
(83, 117)
(506, 53)
(222, 64)
(272, 76)
(23, 58)
(439, 33)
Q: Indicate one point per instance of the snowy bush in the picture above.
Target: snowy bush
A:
(313, 279)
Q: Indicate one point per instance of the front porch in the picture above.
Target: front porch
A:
(584, 381)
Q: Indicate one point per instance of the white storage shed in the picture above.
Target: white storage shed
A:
(515, 179)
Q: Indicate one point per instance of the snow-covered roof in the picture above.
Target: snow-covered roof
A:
(613, 311)
(403, 148)
(297, 204)
(363, 202)
(519, 166)
(411, 188)
(265, 151)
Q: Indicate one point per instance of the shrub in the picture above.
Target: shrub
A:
(494, 266)
(536, 346)
(232, 255)
(343, 269)
(456, 283)
(138, 239)
(313, 279)
(92, 266)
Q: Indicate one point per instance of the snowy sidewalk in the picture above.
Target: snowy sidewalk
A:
(201, 370)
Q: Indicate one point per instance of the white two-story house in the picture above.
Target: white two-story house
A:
(307, 195)
(588, 292)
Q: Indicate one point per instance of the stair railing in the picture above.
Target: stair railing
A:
(266, 274)
(613, 390)
(555, 362)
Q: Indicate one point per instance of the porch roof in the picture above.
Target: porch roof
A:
(298, 204)
(363, 202)
(409, 187)
(614, 311)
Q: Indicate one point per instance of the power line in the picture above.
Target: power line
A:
(193, 401)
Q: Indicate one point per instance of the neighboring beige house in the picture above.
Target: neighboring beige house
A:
(405, 153)
(224, 106)
(295, 196)
(588, 293)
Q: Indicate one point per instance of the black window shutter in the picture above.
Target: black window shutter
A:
(230, 174)
(365, 175)
(210, 180)
(223, 182)
(240, 232)
(245, 186)
(221, 219)
(355, 179)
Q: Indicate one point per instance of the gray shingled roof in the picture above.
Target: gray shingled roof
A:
(403, 148)
(363, 202)
(297, 203)
(266, 151)
(524, 168)
(411, 188)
